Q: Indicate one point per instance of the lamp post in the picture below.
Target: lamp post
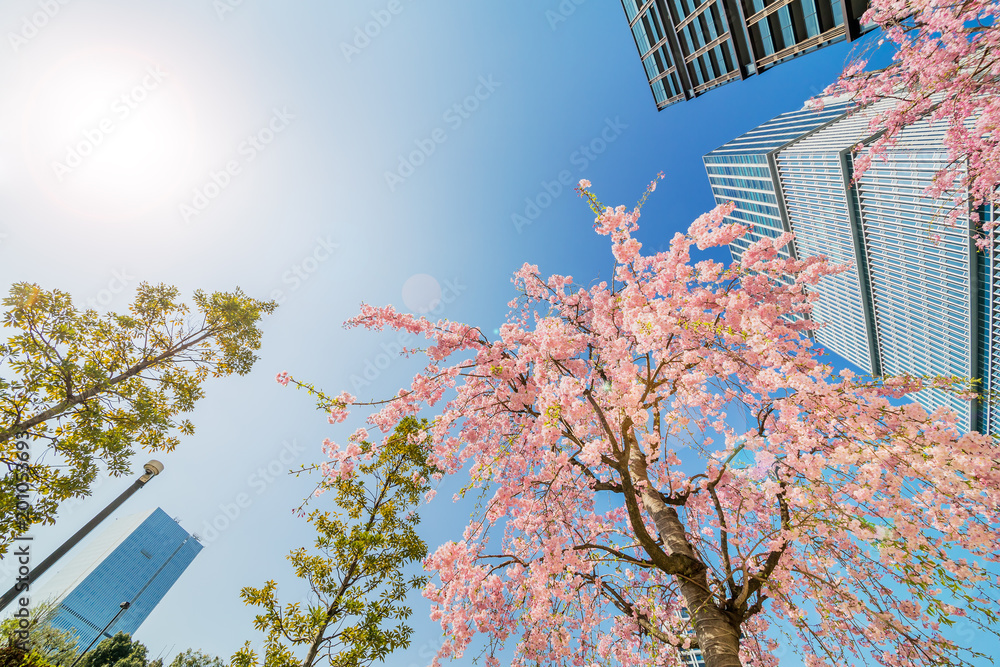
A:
(124, 606)
(150, 470)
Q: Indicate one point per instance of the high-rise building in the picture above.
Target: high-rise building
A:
(136, 560)
(690, 46)
(690, 657)
(917, 295)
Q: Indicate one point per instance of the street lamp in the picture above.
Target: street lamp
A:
(150, 470)
(124, 606)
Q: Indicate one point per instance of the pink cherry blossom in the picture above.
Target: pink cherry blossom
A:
(945, 70)
(664, 460)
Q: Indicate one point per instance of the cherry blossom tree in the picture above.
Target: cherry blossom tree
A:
(946, 69)
(665, 462)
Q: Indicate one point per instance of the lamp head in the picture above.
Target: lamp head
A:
(153, 468)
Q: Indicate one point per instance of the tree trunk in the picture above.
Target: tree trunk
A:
(718, 639)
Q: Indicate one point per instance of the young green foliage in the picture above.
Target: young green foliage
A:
(12, 656)
(39, 641)
(192, 658)
(92, 388)
(356, 572)
(119, 651)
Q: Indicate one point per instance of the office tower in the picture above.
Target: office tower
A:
(690, 657)
(917, 295)
(136, 560)
(690, 46)
(744, 171)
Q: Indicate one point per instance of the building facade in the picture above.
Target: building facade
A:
(917, 295)
(690, 657)
(136, 560)
(688, 47)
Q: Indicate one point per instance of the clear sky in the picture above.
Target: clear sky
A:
(275, 146)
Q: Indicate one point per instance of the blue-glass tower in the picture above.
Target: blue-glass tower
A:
(917, 295)
(136, 560)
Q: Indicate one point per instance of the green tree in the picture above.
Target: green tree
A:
(12, 656)
(356, 574)
(192, 658)
(79, 389)
(119, 651)
(47, 644)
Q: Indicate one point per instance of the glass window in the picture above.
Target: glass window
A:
(660, 92)
(811, 17)
(766, 40)
(785, 20)
(631, 8)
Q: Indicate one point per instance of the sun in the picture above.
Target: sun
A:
(108, 134)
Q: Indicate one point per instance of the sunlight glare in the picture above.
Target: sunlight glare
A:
(108, 134)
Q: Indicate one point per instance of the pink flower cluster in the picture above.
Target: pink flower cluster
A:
(342, 461)
(338, 410)
(945, 71)
(671, 441)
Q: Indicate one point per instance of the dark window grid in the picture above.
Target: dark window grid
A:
(645, 6)
(810, 13)
(649, 30)
(712, 82)
(662, 52)
(684, 20)
(755, 173)
(786, 26)
(711, 22)
(648, 33)
(743, 183)
(638, 7)
(654, 68)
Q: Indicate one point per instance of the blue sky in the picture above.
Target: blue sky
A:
(267, 145)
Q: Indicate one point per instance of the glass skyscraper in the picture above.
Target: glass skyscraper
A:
(917, 296)
(136, 560)
(690, 46)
